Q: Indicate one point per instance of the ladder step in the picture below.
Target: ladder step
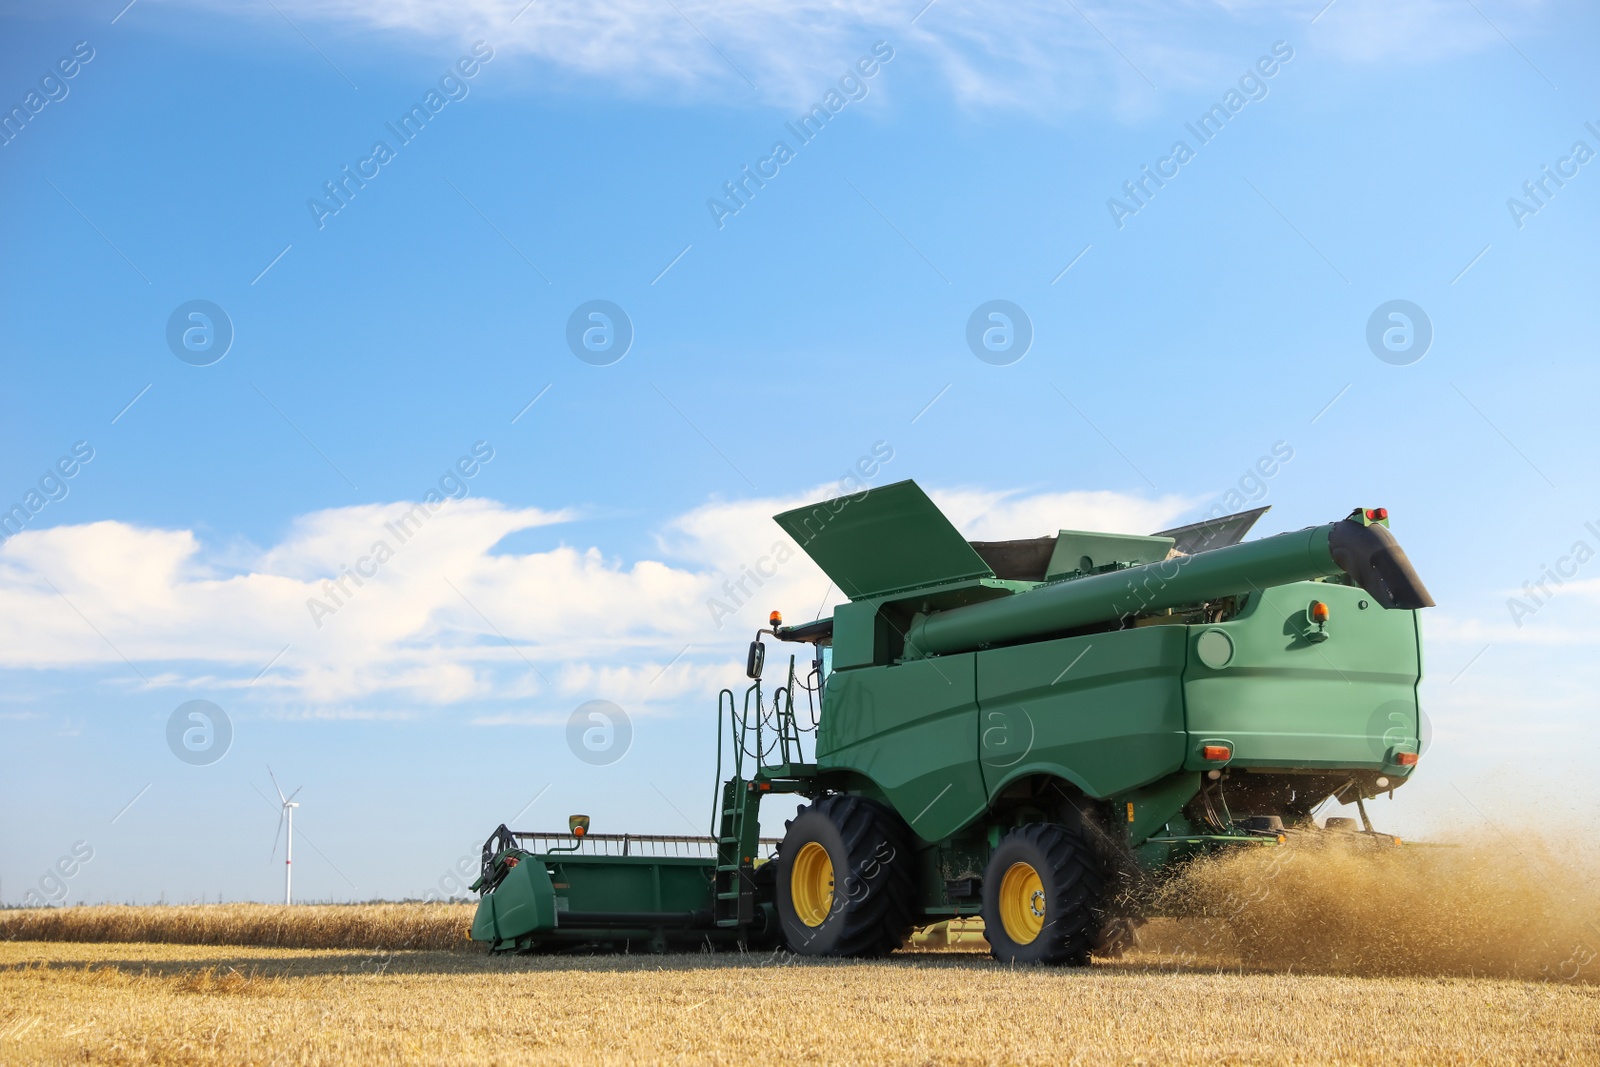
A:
(728, 896)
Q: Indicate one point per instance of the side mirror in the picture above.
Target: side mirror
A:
(756, 660)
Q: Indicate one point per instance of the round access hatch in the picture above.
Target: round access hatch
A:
(1215, 649)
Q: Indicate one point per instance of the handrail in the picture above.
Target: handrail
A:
(647, 845)
(716, 800)
(761, 718)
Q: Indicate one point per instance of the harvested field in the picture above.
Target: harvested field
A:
(1320, 955)
(138, 1004)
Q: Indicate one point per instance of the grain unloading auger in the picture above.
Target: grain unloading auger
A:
(1017, 730)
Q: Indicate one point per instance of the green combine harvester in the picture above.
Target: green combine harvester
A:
(1034, 732)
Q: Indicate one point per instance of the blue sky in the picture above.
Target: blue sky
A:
(824, 319)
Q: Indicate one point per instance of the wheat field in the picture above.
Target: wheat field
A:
(377, 927)
(186, 1004)
(1315, 956)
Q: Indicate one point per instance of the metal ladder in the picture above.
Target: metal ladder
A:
(736, 846)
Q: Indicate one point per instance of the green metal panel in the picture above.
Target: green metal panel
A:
(882, 541)
(630, 883)
(1284, 700)
(523, 903)
(1104, 711)
(913, 730)
(527, 908)
(1143, 812)
(860, 636)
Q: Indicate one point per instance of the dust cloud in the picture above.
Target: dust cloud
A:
(1524, 907)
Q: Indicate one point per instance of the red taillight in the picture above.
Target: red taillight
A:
(1377, 514)
(1406, 759)
(1216, 753)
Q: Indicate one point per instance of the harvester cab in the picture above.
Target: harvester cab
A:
(1032, 732)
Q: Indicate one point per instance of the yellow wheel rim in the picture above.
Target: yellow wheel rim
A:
(811, 884)
(1022, 903)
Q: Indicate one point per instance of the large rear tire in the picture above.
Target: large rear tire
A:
(1042, 896)
(844, 879)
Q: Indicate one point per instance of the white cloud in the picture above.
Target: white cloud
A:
(1560, 621)
(446, 618)
(1028, 54)
(520, 718)
(1418, 31)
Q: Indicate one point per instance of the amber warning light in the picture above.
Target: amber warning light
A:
(775, 620)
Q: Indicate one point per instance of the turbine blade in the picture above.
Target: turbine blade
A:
(291, 796)
(275, 837)
(281, 798)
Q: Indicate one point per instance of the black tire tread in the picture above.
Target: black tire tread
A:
(1075, 892)
(881, 920)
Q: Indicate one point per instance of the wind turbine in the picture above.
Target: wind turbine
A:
(285, 816)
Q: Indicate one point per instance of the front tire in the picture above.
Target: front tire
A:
(1042, 896)
(843, 879)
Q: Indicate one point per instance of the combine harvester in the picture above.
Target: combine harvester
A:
(1027, 731)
